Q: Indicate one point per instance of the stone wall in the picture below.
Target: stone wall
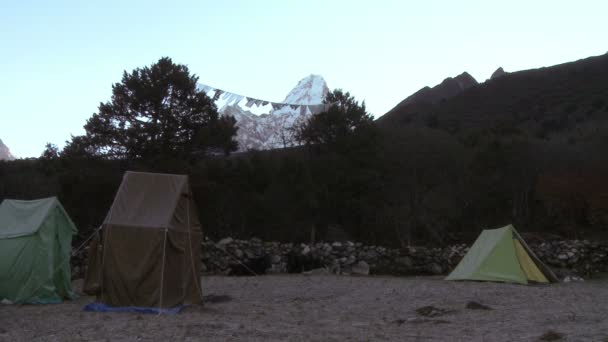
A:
(569, 258)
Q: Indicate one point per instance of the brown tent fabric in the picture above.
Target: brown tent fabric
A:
(150, 254)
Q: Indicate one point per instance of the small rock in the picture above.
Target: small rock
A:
(431, 311)
(317, 271)
(250, 254)
(551, 336)
(572, 278)
(216, 298)
(418, 320)
(351, 260)
(368, 255)
(225, 241)
(275, 259)
(360, 268)
(436, 269)
(405, 261)
(335, 267)
(477, 306)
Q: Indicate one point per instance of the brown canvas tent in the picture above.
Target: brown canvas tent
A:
(148, 254)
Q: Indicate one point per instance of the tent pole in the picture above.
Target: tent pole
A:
(104, 246)
(105, 240)
(162, 274)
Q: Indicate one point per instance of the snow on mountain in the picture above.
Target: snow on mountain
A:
(5, 153)
(310, 90)
(269, 129)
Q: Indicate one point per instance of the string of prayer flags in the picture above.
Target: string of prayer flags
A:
(232, 99)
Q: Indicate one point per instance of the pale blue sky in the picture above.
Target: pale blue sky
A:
(58, 59)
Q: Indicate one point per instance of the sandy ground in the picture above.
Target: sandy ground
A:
(332, 308)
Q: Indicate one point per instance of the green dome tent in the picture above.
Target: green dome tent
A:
(35, 245)
(501, 255)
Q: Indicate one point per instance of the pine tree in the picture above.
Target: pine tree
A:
(157, 111)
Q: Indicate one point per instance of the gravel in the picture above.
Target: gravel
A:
(334, 308)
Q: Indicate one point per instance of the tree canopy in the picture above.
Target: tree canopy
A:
(156, 111)
(344, 117)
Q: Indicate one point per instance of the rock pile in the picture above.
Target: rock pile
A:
(337, 257)
(78, 263)
(571, 258)
(581, 257)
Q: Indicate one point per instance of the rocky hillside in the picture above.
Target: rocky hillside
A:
(5, 153)
(542, 131)
(566, 101)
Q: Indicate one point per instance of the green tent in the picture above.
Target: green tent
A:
(35, 245)
(501, 255)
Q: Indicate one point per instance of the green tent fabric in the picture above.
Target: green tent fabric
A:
(501, 255)
(35, 246)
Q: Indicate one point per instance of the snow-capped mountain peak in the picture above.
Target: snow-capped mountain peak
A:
(310, 90)
(263, 127)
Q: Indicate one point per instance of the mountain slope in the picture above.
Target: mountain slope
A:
(553, 101)
(5, 153)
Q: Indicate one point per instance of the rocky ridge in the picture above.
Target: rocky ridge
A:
(5, 153)
(449, 88)
(498, 73)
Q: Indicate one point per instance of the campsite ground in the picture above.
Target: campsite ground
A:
(326, 308)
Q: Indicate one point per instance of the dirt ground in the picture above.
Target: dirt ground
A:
(335, 308)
